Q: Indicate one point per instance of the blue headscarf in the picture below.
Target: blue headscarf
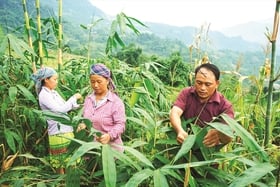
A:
(102, 70)
(40, 75)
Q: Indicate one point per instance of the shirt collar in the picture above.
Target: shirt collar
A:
(109, 96)
(48, 90)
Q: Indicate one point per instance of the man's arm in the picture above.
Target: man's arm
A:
(175, 119)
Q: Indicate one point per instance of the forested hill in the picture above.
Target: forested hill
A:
(158, 39)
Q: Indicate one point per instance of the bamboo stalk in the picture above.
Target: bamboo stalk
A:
(27, 26)
(40, 45)
(271, 78)
(59, 34)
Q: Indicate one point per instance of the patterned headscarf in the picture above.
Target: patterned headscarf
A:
(40, 75)
(102, 70)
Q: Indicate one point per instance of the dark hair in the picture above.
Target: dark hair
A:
(43, 82)
(210, 67)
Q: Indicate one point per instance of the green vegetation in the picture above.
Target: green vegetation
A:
(147, 83)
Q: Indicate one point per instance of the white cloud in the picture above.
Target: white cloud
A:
(220, 13)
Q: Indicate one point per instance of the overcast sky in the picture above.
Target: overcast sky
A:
(219, 13)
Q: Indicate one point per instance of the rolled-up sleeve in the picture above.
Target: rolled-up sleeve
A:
(54, 102)
(118, 115)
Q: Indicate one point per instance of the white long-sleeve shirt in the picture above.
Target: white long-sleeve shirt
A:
(52, 101)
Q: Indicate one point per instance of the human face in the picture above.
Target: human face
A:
(99, 84)
(51, 82)
(205, 84)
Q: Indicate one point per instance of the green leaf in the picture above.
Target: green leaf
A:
(13, 93)
(60, 117)
(118, 39)
(159, 179)
(27, 94)
(247, 138)
(3, 46)
(225, 129)
(252, 175)
(125, 159)
(83, 26)
(139, 156)
(186, 146)
(139, 177)
(9, 136)
(134, 95)
(109, 166)
(84, 148)
(200, 134)
(149, 86)
(41, 184)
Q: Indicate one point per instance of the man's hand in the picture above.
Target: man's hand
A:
(212, 138)
(181, 136)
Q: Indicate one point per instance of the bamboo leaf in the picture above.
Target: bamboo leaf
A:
(149, 86)
(109, 166)
(118, 39)
(125, 159)
(83, 26)
(27, 94)
(159, 179)
(19, 46)
(84, 148)
(121, 22)
(13, 93)
(134, 95)
(186, 146)
(172, 173)
(247, 138)
(138, 121)
(191, 164)
(139, 156)
(3, 46)
(9, 136)
(225, 129)
(60, 117)
(147, 116)
(41, 184)
(200, 134)
(30, 156)
(252, 175)
(139, 177)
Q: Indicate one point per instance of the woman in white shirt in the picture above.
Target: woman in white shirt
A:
(46, 80)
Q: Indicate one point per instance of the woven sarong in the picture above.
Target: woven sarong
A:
(59, 155)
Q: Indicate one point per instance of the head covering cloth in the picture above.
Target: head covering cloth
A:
(40, 75)
(102, 70)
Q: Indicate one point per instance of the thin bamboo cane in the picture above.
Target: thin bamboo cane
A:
(59, 34)
(27, 26)
(271, 78)
(40, 45)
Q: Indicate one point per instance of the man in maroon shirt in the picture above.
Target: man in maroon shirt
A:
(203, 103)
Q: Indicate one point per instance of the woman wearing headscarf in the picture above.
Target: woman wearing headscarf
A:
(104, 107)
(46, 80)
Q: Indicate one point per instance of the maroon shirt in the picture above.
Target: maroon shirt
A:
(189, 102)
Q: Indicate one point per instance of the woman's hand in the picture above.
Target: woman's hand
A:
(80, 127)
(78, 96)
(104, 139)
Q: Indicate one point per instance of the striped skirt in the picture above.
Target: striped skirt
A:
(58, 150)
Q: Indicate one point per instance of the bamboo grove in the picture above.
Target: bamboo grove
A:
(147, 86)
